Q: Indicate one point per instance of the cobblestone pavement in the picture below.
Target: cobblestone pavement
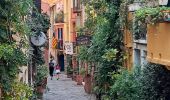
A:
(65, 89)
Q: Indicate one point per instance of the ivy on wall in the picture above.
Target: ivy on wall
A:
(105, 21)
(15, 18)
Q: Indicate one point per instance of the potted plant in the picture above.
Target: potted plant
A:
(80, 76)
(75, 72)
(69, 72)
(41, 79)
(88, 84)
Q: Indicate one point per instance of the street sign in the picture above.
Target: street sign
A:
(69, 48)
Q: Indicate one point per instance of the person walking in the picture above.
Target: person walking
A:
(51, 68)
(57, 71)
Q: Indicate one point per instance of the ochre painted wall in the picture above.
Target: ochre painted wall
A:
(128, 42)
(158, 46)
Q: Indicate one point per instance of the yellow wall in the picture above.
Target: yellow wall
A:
(51, 31)
(128, 41)
(158, 45)
(67, 19)
(128, 37)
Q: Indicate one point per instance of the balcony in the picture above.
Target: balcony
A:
(76, 6)
(59, 17)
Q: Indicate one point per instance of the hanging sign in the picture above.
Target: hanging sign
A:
(69, 48)
(83, 40)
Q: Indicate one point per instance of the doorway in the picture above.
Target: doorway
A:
(61, 61)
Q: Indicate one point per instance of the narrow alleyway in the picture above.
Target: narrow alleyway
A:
(65, 89)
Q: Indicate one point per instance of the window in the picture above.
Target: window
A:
(144, 57)
(60, 38)
(137, 57)
(76, 6)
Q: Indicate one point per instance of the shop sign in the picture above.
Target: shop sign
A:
(83, 40)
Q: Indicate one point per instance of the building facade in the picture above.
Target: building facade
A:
(152, 43)
(65, 17)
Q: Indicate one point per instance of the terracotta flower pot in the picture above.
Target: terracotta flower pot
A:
(79, 79)
(40, 89)
(88, 84)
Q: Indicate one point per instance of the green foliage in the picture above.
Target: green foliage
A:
(150, 15)
(15, 18)
(83, 53)
(69, 70)
(82, 71)
(127, 85)
(11, 59)
(69, 65)
(150, 83)
(18, 91)
(110, 55)
(103, 24)
(69, 60)
(42, 74)
(38, 23)
(12, 17)
(105, 19)
(155, 82)
(123, 12)
(80, 31)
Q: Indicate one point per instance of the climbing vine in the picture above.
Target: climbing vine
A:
(103, 24)
(105, 20)
(16, 20)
